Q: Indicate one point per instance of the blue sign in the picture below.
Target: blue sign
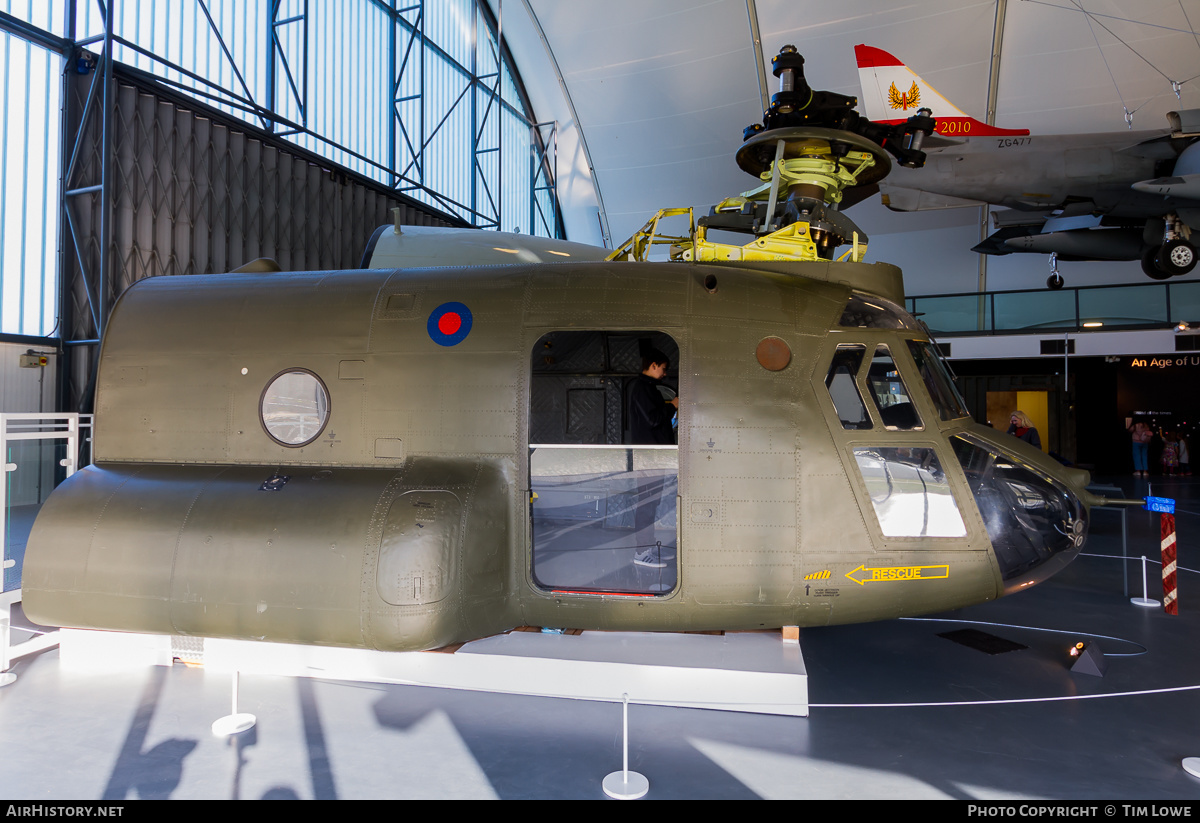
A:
(1163, 505)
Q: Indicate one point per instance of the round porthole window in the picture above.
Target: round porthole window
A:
(294, 407)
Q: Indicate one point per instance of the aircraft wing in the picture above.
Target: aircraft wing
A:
(1156, 148)
(898, 198)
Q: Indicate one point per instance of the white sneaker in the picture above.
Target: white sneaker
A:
(649, 558)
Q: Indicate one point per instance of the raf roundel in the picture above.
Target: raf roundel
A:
(449, 324)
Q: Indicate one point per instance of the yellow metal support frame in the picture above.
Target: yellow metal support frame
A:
(792, 242)
(817, 166)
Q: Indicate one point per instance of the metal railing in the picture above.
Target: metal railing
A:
(1120, 307)
(39, 451)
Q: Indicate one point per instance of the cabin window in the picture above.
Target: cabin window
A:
(946, 398)
(910, 492)
(891, 397)
(866, 311)
(294, 407)
(843, 389)
(602, 507)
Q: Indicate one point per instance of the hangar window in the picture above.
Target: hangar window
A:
(294, 407)
(890, 394)
(910, 492)
(602, 508)
(844, 390)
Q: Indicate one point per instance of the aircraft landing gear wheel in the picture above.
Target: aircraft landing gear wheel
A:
(1055, 281)
(1176, 257)
(1150, 264)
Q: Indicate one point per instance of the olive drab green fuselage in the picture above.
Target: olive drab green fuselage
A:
(176, 528)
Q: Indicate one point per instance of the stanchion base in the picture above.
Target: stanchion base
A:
(233, 724)
(1144, 601)
(616, 785)
(1191, 765)
(7, 678)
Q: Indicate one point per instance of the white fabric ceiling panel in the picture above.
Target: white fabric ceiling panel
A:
(1054, 78)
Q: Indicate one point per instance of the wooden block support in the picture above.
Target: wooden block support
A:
(791, 634)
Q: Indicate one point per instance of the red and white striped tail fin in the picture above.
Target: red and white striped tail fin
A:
(892, 93)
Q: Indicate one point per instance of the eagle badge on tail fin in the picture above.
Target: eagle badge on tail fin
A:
(908, 100)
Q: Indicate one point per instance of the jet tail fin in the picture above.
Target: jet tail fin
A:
(892, 92)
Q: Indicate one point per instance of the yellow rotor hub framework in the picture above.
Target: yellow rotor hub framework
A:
(810, 164)
(792, 242)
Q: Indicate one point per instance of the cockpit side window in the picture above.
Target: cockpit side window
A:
(909, 492)
(842, 387)
(891, 396)
(871, 312)
(941, 388)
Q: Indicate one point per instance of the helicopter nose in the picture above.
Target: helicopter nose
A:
(1036, 523)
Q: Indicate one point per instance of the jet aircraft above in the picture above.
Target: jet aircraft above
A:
(1105, 196)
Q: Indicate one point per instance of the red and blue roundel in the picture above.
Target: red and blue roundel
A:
(449, 324)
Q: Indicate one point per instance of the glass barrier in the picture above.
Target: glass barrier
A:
(37, 472)
(954, 313)
(1185, 302)
(1138, 304)
(1124, 305)
(40, 451)
(1043, 309)
(604, 518)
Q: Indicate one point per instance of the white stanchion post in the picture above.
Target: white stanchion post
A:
(625, 785)
(6, 677)
(1144, 600)
(233, 723)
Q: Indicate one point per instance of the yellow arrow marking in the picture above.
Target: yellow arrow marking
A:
(862, 575)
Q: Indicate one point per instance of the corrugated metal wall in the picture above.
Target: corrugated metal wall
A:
(194, 193)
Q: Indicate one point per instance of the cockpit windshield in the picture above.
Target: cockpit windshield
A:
(1030, 518)
(938, 382)
(890, 394)
(843, 390)
(871, 312)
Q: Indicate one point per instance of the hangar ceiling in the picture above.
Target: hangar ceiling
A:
(661, 92)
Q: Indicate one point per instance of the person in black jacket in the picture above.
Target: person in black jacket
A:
(650, 415)
(650, 424)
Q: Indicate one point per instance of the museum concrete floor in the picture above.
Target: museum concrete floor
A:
(897, 712)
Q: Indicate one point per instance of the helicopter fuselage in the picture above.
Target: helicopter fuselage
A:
(404, 459)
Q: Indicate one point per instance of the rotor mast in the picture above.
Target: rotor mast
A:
(811, 153)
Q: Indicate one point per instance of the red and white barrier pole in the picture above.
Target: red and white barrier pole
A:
(1167, 529)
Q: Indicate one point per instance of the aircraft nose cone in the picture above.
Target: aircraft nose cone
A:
(1036, 523)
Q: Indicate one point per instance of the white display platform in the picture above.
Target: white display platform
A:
(740, 671)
